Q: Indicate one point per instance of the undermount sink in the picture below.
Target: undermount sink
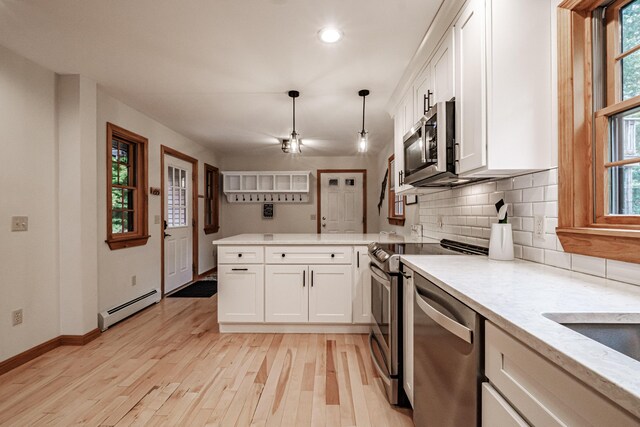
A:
(620, 332)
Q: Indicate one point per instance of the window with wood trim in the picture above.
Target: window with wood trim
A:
(599, 128)
(127, 200)
(396, 202)
(211, 199)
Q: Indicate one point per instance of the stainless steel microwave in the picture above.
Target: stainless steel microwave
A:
(429, 149)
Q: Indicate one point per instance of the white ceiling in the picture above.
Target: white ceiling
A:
(218, 71)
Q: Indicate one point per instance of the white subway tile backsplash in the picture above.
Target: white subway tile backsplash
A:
(557, 259)
(533, 254)
(588, 265)
(623, 271)
(468, 212)
(534, 194)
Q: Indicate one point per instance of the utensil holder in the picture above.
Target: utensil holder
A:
(501, 242)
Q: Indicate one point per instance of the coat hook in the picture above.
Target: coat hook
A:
(243, 197)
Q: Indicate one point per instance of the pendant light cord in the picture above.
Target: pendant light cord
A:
(294, 115)
(363, 99)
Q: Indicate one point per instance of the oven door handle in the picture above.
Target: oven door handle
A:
(381, 276)
(383, 375)
(452, 326)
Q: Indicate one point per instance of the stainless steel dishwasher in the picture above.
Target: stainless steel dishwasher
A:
(447, 352)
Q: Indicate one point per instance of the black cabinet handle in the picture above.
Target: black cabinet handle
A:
(239, 255)
(304, 275)
(358, 259)
(282, 255)
(239, 269)
(333, 255)
(312, 278)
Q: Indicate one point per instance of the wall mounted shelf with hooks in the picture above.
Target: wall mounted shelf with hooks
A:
(266, 187)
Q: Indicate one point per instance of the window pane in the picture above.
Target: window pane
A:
(631, 75)
(114, 173)
(625, 135)
(127, 222)
(116, 198)
(116, 222)
(624, 190)
(114, 150)
(124, 152)
(123, 175)
(630, 21)
(127, 199)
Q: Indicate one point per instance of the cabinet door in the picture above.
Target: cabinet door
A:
(241, 293)
(330, 293)
(286, 293)
(496, 412)
(470, 84)
(407, 330)
(403, 120)
(442, 70)
(423, 87)
(361, 286)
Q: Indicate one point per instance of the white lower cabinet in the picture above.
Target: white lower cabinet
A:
(286, 293)
(308, 293)
(496, 412)
(362, 286)
(330, 293)
(241, 293)
(408, 298)
(540, 391)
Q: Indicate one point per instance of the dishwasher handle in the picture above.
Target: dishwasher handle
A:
(446, 322)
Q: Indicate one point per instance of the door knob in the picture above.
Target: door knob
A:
(167, 235)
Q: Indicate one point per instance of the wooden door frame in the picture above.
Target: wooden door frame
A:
(319, 173)
(164, 150)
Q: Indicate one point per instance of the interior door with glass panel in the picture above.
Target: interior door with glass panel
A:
(178, 232)
(342, 209)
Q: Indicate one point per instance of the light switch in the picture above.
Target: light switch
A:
(156, 219)
(19, 223)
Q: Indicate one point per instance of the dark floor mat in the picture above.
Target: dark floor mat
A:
(199, 289)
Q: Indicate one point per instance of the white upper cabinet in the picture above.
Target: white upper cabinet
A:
(495, 58)
(442, 70)
(504, 82)
(470, 76)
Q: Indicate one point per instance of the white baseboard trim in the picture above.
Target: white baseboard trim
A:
(274, 328)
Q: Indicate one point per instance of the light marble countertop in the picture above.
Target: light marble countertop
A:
(319, 239)
(515, 295)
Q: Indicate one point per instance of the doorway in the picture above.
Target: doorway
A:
(179, 219)
(342, 201)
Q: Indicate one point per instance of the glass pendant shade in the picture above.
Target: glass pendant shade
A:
(294, 143)
(363, 141)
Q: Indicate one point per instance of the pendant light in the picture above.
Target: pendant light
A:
(294, 140)
(363, 135)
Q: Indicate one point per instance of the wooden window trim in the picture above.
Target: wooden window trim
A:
(213, 201)
(578, 230)
(392, 217)
(141, 234)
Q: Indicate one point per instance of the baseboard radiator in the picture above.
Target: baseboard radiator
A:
(114, 315)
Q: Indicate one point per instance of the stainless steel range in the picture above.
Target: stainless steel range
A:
(385, 339)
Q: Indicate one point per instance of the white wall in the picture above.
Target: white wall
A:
(29, 267)
(115, 268)
(292, 218)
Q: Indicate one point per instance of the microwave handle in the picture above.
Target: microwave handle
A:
(400, 177)
(424, 143)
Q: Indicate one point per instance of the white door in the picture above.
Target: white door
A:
(330, 293)
(470, 86)
(362, 286)
(286, 293)
(178, 248)
(241, 293)
(342, 209)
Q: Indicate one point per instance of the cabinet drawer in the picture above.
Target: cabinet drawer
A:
(308, 254)
(543, 393)
(240, 255)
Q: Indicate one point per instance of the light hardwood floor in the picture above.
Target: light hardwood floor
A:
(169, 366)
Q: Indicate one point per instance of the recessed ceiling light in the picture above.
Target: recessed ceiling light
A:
(330, 35)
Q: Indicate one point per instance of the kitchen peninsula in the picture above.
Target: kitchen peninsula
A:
(297, 282)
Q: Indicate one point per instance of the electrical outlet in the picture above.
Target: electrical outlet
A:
(439, 221)
(16, 317)
(538, 227)
(19, 223)
(134, 280)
